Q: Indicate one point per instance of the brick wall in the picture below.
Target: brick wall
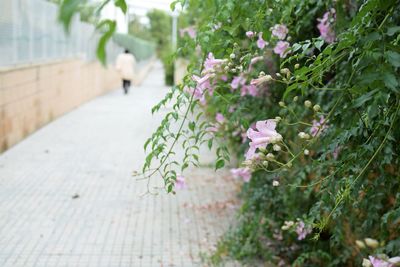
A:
(32, 96)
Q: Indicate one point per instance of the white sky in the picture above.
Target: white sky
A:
(137, 7)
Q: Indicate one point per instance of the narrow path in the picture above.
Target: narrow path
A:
(67, 197)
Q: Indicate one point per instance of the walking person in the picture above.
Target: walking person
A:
(125, 66)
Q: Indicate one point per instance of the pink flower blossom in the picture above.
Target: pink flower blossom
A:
(377, 262)
(260, 42)
(336, 152)
(189, 30)
(212, 129)
(224, 78)
(250, 34)
(220, 118)
(281, 48)
(264, 134)
(253, 61)
(197, 93)
(318, 127)
(211, 63)
(325, 27)
(244, 173)
(237, 81)
(280, 31)
(180, 182)
(302, 231)
(249, 89)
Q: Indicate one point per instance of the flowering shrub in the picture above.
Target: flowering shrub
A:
(306, 94)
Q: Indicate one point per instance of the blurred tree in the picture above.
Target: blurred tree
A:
(138, 29)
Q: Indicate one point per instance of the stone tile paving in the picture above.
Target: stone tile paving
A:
(67, 196)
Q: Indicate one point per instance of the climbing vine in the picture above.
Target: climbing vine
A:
(306, 95)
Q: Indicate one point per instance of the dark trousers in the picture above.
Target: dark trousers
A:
(126, 84)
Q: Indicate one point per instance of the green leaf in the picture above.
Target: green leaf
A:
(192, 126)
(393, 58)
(318, 44)
(390, 81)
(67, 10)
(110, 26)
(219, 164)
(122, 5)
(392, 30)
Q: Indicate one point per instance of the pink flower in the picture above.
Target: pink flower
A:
(261, 80)
(249, 89)
(302, 231)
(244, 173)
(212, 129)
(318, 127)
(197, 94)
(254, 60)
(377, 262)
(250, 34)
(224, 78)
(280, 31)
(220, 118)
(336, 152)
(260, 138)
(325, 27)
(180, 182)
(189, 30)
(210, 63)
(237, 81)
(261, 43)
(281, 48)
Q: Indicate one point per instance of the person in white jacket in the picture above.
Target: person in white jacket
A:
(125, 66)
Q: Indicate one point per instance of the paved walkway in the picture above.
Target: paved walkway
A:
(67, 197)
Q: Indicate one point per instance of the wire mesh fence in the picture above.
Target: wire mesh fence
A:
(30, 33)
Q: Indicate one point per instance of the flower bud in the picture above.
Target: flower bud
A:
(270, 156)
(275, 183)
(366, 263)
(306, 152)
(240, 68)
(372, 243)
(261, 74)
(278, 119)
(296, 66)
(232, 56)
(360, 244)
(226, 68)
(233, 70)
(276, 147)
(281, 103)
(295, 98)
(278, 74)
(247, 162)
(262, 149)
(285, 71)
(304, 135)
(265, 163)
(307, 103)
(317, 108)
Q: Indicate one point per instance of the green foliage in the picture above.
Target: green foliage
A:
(343, 181)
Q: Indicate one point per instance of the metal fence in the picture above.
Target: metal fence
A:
(30, 33)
